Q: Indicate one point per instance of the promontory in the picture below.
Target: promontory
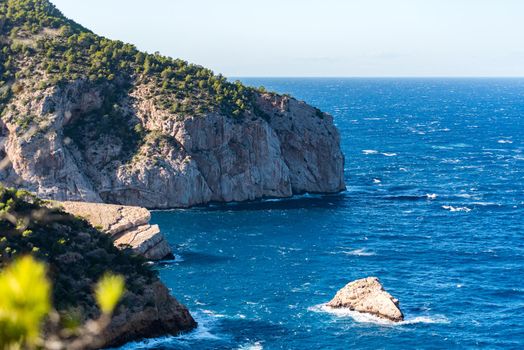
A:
(85, 118)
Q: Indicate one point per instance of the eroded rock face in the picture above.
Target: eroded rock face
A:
(162, 315)
(128, 226)
(368, 296)
(292, 148)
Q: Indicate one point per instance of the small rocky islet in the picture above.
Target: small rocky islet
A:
(367, 295)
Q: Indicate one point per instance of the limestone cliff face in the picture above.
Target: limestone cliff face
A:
(184, 161)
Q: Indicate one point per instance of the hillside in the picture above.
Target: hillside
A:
(88, 118)
(77, 256)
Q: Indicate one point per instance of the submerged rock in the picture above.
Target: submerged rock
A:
(367, 295)
(128, 226)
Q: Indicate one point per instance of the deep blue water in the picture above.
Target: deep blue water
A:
(434, 207)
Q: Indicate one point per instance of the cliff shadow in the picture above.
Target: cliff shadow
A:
(326, 201)
(195, 258)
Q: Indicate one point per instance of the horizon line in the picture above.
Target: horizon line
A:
(373, 77)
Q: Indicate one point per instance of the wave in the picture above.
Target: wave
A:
(450, 161)
(442, 147)
(206, 320)
(254, 346)
(486, 204)
(374, 151)
(505, 141)
(455, 209)
(359, 252)
(463, 195)
(367, 318)
(461, 145)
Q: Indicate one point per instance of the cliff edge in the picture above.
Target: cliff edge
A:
(128, 227)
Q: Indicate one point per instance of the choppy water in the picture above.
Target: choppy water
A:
(434, 207)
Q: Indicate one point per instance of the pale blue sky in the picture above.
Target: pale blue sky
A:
(320, 37)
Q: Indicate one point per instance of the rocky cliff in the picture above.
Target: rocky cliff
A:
(128, 227)
(85, 118)
(184, 161)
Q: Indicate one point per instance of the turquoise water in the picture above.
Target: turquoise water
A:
(434, 207)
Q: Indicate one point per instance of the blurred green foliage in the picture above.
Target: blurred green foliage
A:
(24, 302)
(108, 292)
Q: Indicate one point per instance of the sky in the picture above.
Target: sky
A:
(320, 38)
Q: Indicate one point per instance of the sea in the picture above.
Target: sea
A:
(434, 207)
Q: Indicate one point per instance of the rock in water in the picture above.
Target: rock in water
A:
(368, 296)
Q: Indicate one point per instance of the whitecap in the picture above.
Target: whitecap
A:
(486, 204)
(431, 195)
(367, 318)
(369, 151)
(391, 154)
(463, 195)
(460, 145)
(254, 346)
(376, 181)
(505, 141)
(359, 252)
(454, 209)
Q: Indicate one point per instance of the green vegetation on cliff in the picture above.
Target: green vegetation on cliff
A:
(38, 39)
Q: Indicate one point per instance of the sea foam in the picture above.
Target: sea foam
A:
(455, 209)
(367, 318)
(254, 346)
(359, 252)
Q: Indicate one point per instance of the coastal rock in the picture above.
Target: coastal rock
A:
(368, 296)
(162, 315)
(184, 161)
(128, 226)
